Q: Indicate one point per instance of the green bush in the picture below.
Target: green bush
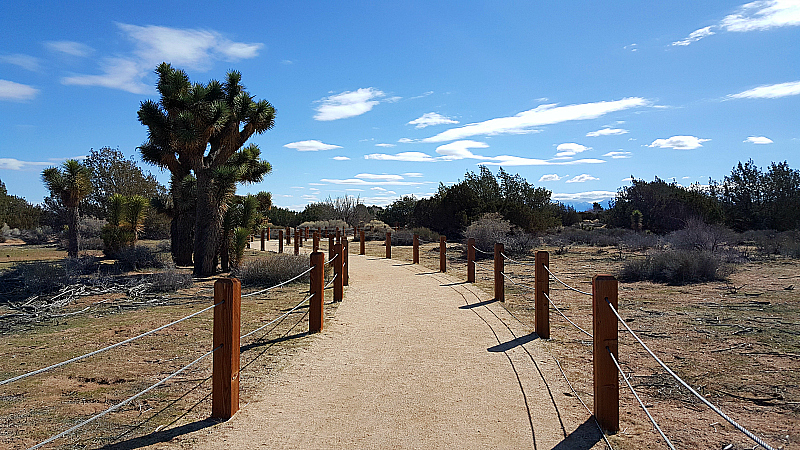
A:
(271, 269)
(675, 267)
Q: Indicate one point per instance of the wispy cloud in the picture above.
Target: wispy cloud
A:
(753, 16)
(191, 48)
(18, 92)
(679, 142)
(70, 48)
(413, 175)
(27, 62)
(379, 177)
(590, 196)
(606, 132)
(385, 145)
(550, 177)
(430, 119)
(341, 158)
(770, 91)
(526, 121)
(758, 140)
(460, 150)
(16, 164)
(582, 178)
(348, 104)
(363, 182)
(520, 161)
(618, 155)
(312, 145)
(402, 156)
(570, 149)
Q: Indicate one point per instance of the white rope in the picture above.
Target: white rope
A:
(565, 317)
(752, 436)
(122, 403)
(278, 318)
(517, 262)
(331, 282)
(565, 284)
(277, 285)
(78, 358)
(624, 377)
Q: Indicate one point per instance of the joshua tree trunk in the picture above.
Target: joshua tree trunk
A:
(73, 237)
(182, 238)
(208, 226)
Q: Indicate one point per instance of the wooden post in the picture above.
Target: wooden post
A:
(362, 248)
(471, 260)
(227, 329)
(338, 236)
(280, 241)
(263, 235)
(296, 242)
(442, 254)
(288, 235)
(338, 291)
(330, 247)
(269, 233)
(316, 241)
(346, 253)
(389, 245)
(542, 288)
(317, 291)
(299, 237)
(415, 254)
(606, 379)
(499, 281)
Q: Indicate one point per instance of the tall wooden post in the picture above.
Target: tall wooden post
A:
(288, 236)
(541, 289)
(263, 235)
(606, 379)
(415, 254)
(442, 254)
(269, 233)
(389, 245)
(317, 292)
(280, 241)
(315, 239)
(338, 282)
(362, 250)
(331, 251)
(346, 262)
(338, 235)
(296, 242)
(227, 329)
(471, 260)
(499, 281)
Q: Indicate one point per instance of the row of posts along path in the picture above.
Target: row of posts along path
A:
(416, 359)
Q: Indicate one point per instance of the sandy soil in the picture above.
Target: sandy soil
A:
(412, 359)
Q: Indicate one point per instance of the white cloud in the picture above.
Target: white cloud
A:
(753, 16)
(431, 118)
(190, 48)
(312, 145)
(460, 150)
(16, 164)
(606, 132)
(69, 48)
(382, 177)
(520, 161)
(403, 156)
(550, 177)
(347, 104)
(10, 90)
(406, 140)
(770, 91)
(341, 158)
(763, 15)
(679, 142)
(27, 62)
(582, 178)
(590, 196)
(618, 155)
(385, 145)
(570, 149)
(361, 182)
(413, 175)
(758, 140)
(525, 121)
(695, 36)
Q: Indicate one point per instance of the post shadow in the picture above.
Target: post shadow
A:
(505, 346)
(583, 438)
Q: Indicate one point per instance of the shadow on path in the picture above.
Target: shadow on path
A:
(476, 305)
(505, 346)
(160, 436)
(583, 438)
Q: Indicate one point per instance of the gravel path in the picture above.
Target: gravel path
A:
(413, 359)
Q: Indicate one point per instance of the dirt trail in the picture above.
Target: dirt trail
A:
(413, 359)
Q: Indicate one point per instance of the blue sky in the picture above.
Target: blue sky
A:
(383, 99)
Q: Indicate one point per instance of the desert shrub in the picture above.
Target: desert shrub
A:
(602, 237)
(329, 224)
(169, 280)
(492, 228)
(699, 235)
(137, 257)
(38, 235)
(426, 234)
(675, 267)
(91, 230)
(403, 237)
(770, 242)
(271, 269)
(42, 276)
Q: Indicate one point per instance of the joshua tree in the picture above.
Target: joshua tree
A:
(71, 184)
(197, 128)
